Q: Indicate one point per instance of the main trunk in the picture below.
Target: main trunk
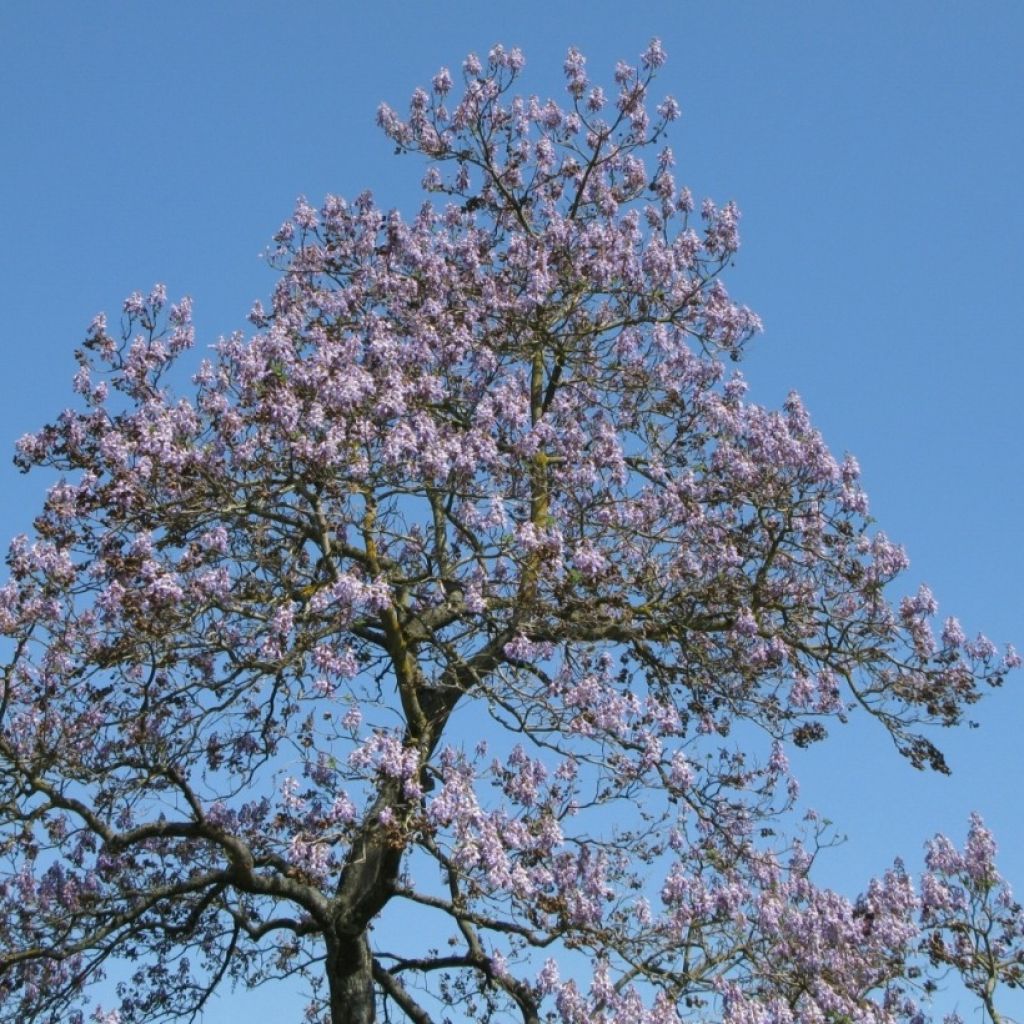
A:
(364, 888)
(367, 882)
(350, 980)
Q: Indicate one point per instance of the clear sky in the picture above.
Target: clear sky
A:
(875, 148)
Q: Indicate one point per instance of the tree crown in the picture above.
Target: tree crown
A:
(482, 473)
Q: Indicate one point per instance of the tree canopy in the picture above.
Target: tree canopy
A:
(441, 644)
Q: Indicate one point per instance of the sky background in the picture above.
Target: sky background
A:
(875, 148)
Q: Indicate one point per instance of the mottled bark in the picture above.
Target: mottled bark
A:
(350, 980)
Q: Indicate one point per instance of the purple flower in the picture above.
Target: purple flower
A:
(654, 56)
(575, 72)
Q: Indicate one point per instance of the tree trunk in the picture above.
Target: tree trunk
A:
(350, 981)
(365, 886)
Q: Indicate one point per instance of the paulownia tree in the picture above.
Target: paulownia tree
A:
(441, 644)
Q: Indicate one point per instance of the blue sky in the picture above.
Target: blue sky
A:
(874, 147)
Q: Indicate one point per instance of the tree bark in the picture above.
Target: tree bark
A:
(350, 981)
(365, 886)
(367, 882)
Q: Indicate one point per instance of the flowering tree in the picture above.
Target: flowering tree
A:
(442, 645)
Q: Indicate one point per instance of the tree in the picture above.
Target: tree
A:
(469, 591)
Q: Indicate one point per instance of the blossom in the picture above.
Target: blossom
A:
(575, 73)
